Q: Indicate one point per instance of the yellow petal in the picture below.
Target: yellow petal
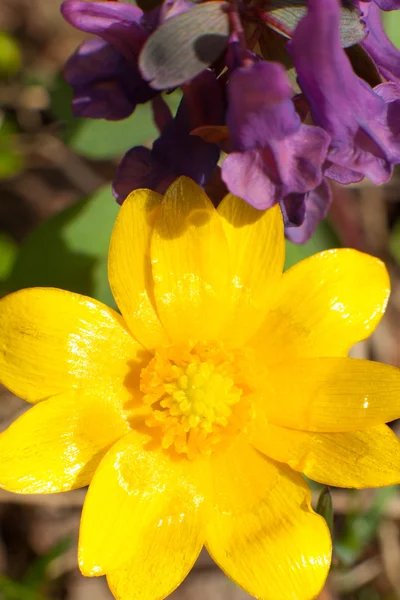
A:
(324, 305)
(129, 267)
(359, 459)
(190, 265)
(257, 253)
(142, 509)
(332, 394)
(52, 341)
(262, 531)
(56, 445)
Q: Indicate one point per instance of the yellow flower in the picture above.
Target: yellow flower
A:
(193, 415)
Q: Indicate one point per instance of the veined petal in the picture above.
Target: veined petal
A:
(52, 341)
(56, 445)
(129, 267)
(325, 304)
(359, 459)
(190, 264)
(257, 253)
(261, 529)
(149, 510)
(332, 394)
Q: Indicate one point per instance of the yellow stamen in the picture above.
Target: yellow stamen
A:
(197, 395)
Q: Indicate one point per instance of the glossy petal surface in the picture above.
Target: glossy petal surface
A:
(359, 459)
(57, 445)
(190, 263)
(52, 341)
(332, 394)
(325, 304)
(262, 531)
(149, 510)
(130, 268)
(257, 253)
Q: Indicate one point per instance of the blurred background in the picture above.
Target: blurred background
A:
(56, 216)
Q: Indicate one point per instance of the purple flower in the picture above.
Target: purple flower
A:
(104, 73)
(388, 4)
(176, 152)
(384, 54)
(364, 141)
(309, 210)
(274, 155)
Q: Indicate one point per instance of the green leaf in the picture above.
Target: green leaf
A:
(11, 160)
(391, 21)
(360, 528)
(101, 139)
(14, 590)
(324, 238)
(10, 55)
(8, 254)
(185, 45)
(70, 250)
(284, 15)
(36, 575)
(324, 507)
(394, 241)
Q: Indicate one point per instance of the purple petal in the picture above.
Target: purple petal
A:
(265, 176)
(274, 153)
(388, 4)
(260, 106)
(161, 113)
(246, 176)
(384, 54)
(176, 152)
(106, 85)
(139, 169)
(312, 207)
(341, 103)
(118, 23)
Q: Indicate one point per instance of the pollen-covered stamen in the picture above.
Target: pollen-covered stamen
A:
(198, 396)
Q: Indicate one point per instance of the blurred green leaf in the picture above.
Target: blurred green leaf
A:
(15, 590)
(324, 238)
(70, 250)
(11, 160)
(8, 254)
(36, 576)
(10, 55)
(391, 21)
(394, 241)
(29, 588)
(324, 507)
(101, 139)
(360, 528)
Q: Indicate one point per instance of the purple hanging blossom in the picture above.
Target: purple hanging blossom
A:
(176, 152)
(281, 149)
(384, 54)
(103, 72)
(357, 117)
(310, 209)
(388, 4)
(273, 154)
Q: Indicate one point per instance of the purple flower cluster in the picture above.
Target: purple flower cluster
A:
(283, 144)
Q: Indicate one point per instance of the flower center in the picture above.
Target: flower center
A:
(198, 395)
